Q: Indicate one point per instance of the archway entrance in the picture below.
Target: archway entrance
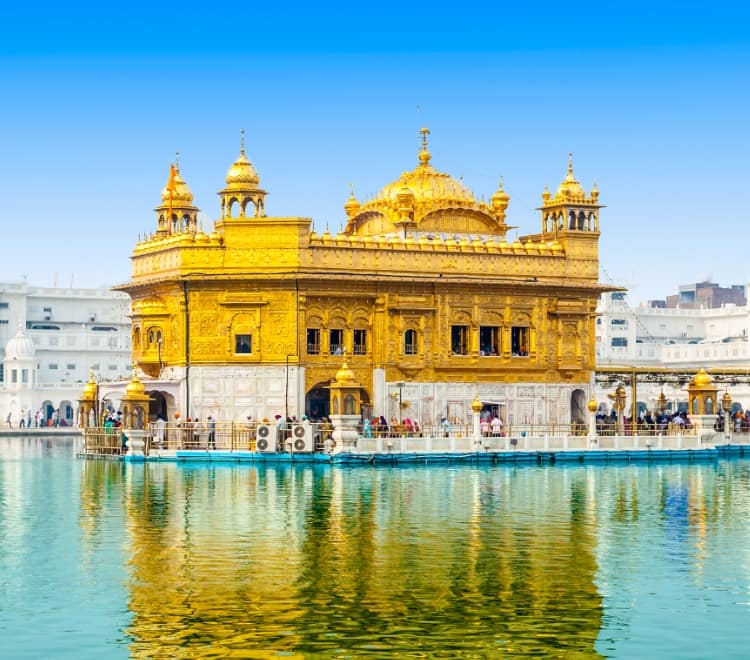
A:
(318, 402)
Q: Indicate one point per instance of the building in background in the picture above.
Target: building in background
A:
(51, 339)
(422, 294)
(682, 338)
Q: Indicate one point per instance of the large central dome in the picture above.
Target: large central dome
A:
(428, 185)
(425, 199)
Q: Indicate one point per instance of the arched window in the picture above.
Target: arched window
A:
(410, 342)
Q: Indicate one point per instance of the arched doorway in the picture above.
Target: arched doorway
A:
(318, 402)
(158, 407)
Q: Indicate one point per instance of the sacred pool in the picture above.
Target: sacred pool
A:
(114, 559)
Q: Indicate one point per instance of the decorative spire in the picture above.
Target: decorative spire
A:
(570, 167)
(242, 141)
(424, 153)
(177, 160)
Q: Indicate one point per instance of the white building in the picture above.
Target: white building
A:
(50, 340)
(683, 340)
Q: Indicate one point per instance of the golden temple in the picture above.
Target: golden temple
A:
(422, 292)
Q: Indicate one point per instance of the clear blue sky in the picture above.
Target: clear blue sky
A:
(652, 101)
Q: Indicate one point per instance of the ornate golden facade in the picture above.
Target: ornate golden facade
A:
(422, 291)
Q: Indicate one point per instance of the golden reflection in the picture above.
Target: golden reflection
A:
(254, 561)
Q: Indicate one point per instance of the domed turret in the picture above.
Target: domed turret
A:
(426, 200)
(180, 191)
(176, 213)
(352, 205)
(500, 201)
(242, 173)
(242, 197)
(20, 346)
(570, 187)
(344, 375)
(135, 387)
(89, 389)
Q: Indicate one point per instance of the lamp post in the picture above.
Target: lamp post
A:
(400, 386)
(726, 404)
(619, 404)
(661, 402)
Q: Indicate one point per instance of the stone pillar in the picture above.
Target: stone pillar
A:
(476, 412)
(345, 432)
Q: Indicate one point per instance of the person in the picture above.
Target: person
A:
(160, 428)
(211, 432)
(366, 428)
(484, 426)
(9, 420)
(445, 425)
(497, 426)
(28, 418)
(22, 420)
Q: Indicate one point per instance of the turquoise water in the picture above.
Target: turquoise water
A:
(102, 559)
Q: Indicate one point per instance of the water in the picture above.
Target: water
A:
(102, 559)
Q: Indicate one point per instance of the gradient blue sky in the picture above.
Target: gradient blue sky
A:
(652, 101)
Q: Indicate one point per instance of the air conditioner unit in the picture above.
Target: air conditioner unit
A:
(302, 438)
(265, 438)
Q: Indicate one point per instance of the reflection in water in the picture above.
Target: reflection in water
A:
(314, 560)
(166, 560)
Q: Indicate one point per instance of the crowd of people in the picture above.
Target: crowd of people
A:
(647, 422)
(37, 420)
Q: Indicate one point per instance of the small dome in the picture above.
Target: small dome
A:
(500, 200)
(351, 206)
(702, 379)
(181, 192)
(242, 174)
(89, 390)
(570, 187)
(20, 347)
(345, 374)
(135, 388)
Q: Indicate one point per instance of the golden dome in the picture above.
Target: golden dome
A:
(89, 389)
(181, 193)
(476, 404)
(242, 174)
(427, 185)
(570, 187)
(135, 387)
(702, 379)
(352, 205)
(344, 375)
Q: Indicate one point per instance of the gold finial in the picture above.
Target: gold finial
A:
(177, 160)
(135, 366)
(424, 153)
(351, 189)
(242, 141)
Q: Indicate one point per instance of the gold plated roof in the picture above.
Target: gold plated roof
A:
(425, 199)
(242, 175)
(344, 375)
(702, 379)
(89, 390)
(427, 184)
(570, 188)
(181, 192)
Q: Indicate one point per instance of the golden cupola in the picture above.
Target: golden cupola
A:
(176, 213)
(242, 196)
(500, 200)
(570, 208)
(434, 202)
(352, 205)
